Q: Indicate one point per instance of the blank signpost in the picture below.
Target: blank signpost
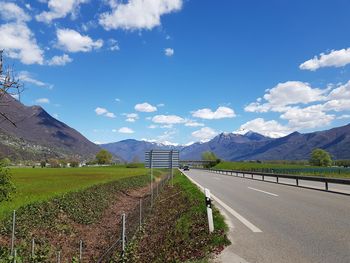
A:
(161, 159)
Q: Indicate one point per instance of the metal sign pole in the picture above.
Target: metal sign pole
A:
(171, 167)
(151, 167)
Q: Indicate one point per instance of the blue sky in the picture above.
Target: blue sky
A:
(182, 71)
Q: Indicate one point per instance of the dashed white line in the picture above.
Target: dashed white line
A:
(258, 190)
(244, 221)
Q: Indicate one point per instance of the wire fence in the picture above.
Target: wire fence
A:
(130, 223)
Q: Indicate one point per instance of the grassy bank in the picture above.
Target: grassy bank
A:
(40, 184)
(178, 229)
(286, 169)
(60, 221)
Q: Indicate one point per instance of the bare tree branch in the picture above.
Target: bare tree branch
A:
(9, 86)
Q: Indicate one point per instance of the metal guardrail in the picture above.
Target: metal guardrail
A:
(297, 178)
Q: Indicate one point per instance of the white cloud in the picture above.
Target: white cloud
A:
(145, 107)
(12, 12)
(59, 60)
(335, 58)
(104, 112)
(190, 123)
(131, 117)
(288, 93)
(307, 118)
(137, 14)
(168, 119)
(169, 52)
(72, 41)
(152, 126)
(340, 92)
(270, 128)
(161, 105)
(60, 9)
(25, 76)
(204, 134)
(344, 116)
(125, 130)
(42, 101)
(113, 45)
(220, 113)
(20, 43)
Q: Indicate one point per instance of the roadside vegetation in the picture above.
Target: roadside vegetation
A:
(78, 204)
(177, 231)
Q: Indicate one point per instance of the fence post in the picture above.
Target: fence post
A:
(209, 210)
(140, 213)
(59, 257)
(13, 232)
(123, 234)
(33, 248)
(81, 251)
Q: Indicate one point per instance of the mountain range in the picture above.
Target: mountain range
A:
(250, 146)
(36, 135)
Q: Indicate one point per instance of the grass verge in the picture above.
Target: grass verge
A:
(177, 231)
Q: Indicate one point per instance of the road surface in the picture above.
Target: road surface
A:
(276, 223)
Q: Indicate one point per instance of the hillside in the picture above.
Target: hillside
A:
(38, 135)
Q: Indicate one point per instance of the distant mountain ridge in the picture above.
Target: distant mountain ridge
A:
(38, 135)
(250, 146)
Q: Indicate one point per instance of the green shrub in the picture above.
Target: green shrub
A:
(6, 185)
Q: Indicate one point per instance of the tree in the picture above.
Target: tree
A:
(73, 163)
(103, 157)
(211, 158)
(6, 162)
(6, 186)
(54, 163)
(320, 157)
(43, 164)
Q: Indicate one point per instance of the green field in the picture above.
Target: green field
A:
(41, 184)
(295, 169)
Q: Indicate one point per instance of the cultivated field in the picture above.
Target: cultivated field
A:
(338, 172)
(41, 184)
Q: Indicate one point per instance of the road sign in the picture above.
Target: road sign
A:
(162, 159)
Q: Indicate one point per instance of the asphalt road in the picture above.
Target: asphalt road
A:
(277, 223)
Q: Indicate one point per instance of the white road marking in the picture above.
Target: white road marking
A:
(244, 221)
(262, 191)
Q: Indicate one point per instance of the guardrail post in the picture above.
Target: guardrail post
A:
(326, 185)
(243, 175)
(252, 176)
(297, 181)
(277, 179)
(209, 210)
(263, 177)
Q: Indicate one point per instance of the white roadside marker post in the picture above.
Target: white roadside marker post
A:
(209, 210)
